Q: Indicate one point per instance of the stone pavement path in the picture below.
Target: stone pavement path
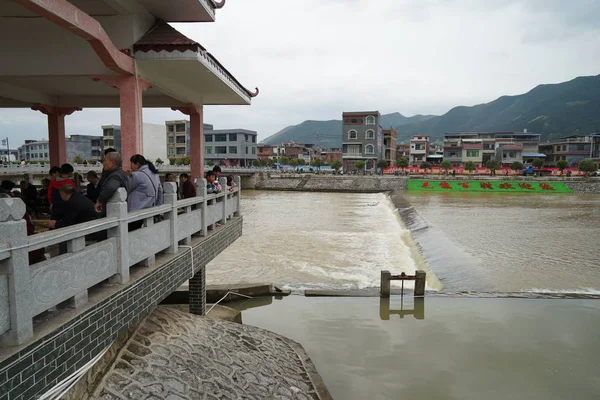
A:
(175, 355)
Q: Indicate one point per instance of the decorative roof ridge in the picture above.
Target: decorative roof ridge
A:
(218, 4)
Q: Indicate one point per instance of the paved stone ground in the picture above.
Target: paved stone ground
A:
(175, 355)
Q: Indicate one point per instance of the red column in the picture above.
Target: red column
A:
(196, 139)
(130, 101)
(56, 130)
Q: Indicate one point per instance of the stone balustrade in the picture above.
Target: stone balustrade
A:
(37, 169)
(29, 290)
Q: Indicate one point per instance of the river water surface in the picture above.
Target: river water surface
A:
(442, 347)
(472, 241)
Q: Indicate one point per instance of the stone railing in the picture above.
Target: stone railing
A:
(28, 290)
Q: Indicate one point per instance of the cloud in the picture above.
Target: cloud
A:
(313, 59)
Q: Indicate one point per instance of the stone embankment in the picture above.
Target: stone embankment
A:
(177, 355)
(375, 184)
(323, 183)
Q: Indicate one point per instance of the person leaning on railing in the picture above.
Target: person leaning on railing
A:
(113, 178)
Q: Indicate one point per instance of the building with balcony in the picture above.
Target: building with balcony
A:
(572, 149)
(362, 139)
(403, 150)
(231, 147)
(111, 137)
(419, 149)
(390, 143)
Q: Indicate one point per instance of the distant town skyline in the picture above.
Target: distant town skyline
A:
(391, 55)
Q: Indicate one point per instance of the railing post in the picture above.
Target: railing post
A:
(201, 191)
(386, 277)
(238, 195)
(117, 208)
(15, 296)
(170, 197)
(223, 182)
(420, 283)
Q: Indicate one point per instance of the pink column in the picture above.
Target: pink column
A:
(196, 139)
(56, 130)
(130, 101)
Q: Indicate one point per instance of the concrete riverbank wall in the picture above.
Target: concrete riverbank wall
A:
(377, 184)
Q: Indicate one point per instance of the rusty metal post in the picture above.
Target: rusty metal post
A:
(420, 283)
(386, 277)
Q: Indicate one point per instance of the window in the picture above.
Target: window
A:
(512, 154)
(221, 138)
(246, 150)
(181, 151)
(45, 155)
(171, 139)
(208, 150)
(253, 138)
(180, 139)
(369, 149)
(352, 134)
(232, 149)
(171, 128)
(246, 137)
(208, 138)
(418, 147)
(233, 137)
(180, 127)
(254, 150)
(370, 134)
(370, 121)
(221, 150)
(472, 153)
(171, 151)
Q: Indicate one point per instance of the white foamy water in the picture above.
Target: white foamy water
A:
(317, 240)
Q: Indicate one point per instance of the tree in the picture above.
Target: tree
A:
(425, 165)
(492, 165)
(77, 159)
(470, 166)
(538, 163)
(446, 165)
(284, 160)
(588, 166)
(172, 161)
(360, 164)
(159, 162)
(210, 163)
(402, 162)
(293, 162)
(301, 161)
(382, 164)
(257, 163)
(337, 164)
(562, 164)
(516, 166)
(185, 160)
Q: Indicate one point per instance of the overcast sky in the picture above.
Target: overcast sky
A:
(312, 59)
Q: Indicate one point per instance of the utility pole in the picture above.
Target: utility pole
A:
(5, 141)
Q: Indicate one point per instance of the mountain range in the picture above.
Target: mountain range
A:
(553, 110)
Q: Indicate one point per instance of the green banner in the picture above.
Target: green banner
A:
(421, 185)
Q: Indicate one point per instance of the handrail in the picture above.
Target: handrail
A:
(50, 238)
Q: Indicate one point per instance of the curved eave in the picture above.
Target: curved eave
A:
(194, 74)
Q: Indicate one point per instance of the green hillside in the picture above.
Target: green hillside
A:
(555, 110)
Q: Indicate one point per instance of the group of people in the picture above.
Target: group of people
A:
(67, 202)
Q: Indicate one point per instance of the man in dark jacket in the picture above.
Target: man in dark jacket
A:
(113, 178)
(78, 208)
(93, 188)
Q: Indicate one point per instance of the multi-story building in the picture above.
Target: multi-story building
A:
(111, 135)
(403, 150)
(390, 142)
(572, 149)
(85, 147)
(480, 147)
(231, 147)
(362, 139)
(7, 155)
(419, 149)
(264, 151)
